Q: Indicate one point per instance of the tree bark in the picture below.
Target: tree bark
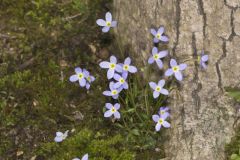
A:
(203, 117)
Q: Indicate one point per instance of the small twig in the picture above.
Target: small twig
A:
(72, 17)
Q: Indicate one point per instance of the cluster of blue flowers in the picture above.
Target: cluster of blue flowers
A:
(117, 73)
(83, 77)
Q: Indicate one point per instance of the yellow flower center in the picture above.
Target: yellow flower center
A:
(121, 80)
(158, 89)
(162, 112)
(80, 76)
(160, 121)
(156, 56)
(108, 24)
(158, 36)
(114, 92)
(89, 79)
(113, 109)
(125, 67)
(199, 59)
(112, 66)
(175, 69)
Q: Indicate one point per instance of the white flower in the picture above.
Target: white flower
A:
(60, 136)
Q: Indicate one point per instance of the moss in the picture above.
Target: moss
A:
(98, 146)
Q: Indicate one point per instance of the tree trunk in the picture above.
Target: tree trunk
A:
(202, 119)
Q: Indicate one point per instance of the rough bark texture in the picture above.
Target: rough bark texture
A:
(202, 119)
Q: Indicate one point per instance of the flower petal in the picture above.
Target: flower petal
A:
(107, 93)
(153, 85)
(161, 83)
(164, 38)
(58, 139)
(153, 31)
(169, 72)
(117, 85)
(113, 59)
(110, 73)
(164, 91)
(173, 63)
(159, 63)
(204, 58)
(182, 66)
(85, 157)
(59, 134)
(132, 69)
(158, 127)
(178, 76)
(125, 85)
(154, 50)
(155, 40)
(105, 29)
(108, 105)
(116, 77)
(114, 24)
(127, 61)
(101, 22)
(108, 113)
(160, 30)
(118, 68)
(155, 94)
(166, 124)
(155, 117)
(82, 82)
(163, 53)
(111, 85)
(164, 116)
(150, 60)
(117, 106)
(104, 64)
(87, 86)
(203, 65)
(115, 96)
(117, 115)
(108, 17)
(78, 70)
(73, 78)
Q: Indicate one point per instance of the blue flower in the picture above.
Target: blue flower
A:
(108, 23)
(161, 121)
(202, 59)
(164, 110)
(121, 81)
(89, 78)
(79, 76)
(158, 88)
(158, 35)
(111, 66)
(156, 56)
(114, 92)
(176, 69)
(112, 110)
(126, 67)
(60, 136)
(85, 157)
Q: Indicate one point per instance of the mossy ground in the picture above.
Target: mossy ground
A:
(41, 43)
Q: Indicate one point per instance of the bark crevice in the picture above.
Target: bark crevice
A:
(196, 97)
(177, 26)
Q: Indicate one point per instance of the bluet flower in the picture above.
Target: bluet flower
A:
(158, 88)
(176, 69)
(108, 23)
(156, 56)
(112, 110)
